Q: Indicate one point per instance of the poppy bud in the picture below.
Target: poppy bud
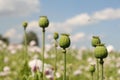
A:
(92, 68)
(95, 41)
(25, 24)
(100, 51)
(56, 35)
(43, 21)
(64, 41)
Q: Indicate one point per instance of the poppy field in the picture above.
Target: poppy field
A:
(59, 61)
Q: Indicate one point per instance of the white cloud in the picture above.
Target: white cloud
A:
(33, 24)
(18, 7)
(13, 35)
(80, 20)
(107, 14)
(85, 19)
(10, 33)
(59, 27)
(77, 37)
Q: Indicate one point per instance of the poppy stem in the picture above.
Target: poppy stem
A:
(101, 63)
(55, 59)
(97, 69)
(64, 51)
(25, 43)
(43, 49)
(92, 75)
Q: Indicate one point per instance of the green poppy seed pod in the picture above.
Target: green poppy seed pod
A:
(25, 24)
(56, 35)
(92, 68)
(95, 41)
(43, 21)
(64, 41)
(100, 51)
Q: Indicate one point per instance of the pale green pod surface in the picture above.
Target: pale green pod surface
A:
(92, 68)
(56, 36)
(95, 41)
(64, 41)
(100, 51)
(25, 24)
(43, 21)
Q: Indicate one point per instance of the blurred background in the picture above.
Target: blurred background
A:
(82, 19)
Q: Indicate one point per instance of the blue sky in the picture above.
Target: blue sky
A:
(80, 18)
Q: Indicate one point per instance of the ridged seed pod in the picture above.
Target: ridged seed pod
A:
(92, 68)
(43, 21)
(100, 51)
(25, 24)
(64, 41)
(95, 41)
(56, 36)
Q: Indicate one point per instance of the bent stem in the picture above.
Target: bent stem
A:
(64, 51)
(43, 49)
(97, 69)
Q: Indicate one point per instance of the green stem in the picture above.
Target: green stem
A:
(25, 37)
(92, 75)
(101, 63)
(2, 59)
(97, 69)
(43, 49)
(64, 51)
(70, 71)
(55, 59)
(102, 72)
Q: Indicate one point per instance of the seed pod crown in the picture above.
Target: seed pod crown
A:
(95, 41)
(64, 41)
(43, 21)
(24, 24)
(100, 51)
(56, 35)
(92, 68)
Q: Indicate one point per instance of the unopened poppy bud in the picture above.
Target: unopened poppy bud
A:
(64, 41)
(92, 68)
(25, 24)
(56, 35)
(100, 51)
(43, 21)
(95, 41)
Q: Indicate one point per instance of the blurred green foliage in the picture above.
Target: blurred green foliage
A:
(16, 63)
